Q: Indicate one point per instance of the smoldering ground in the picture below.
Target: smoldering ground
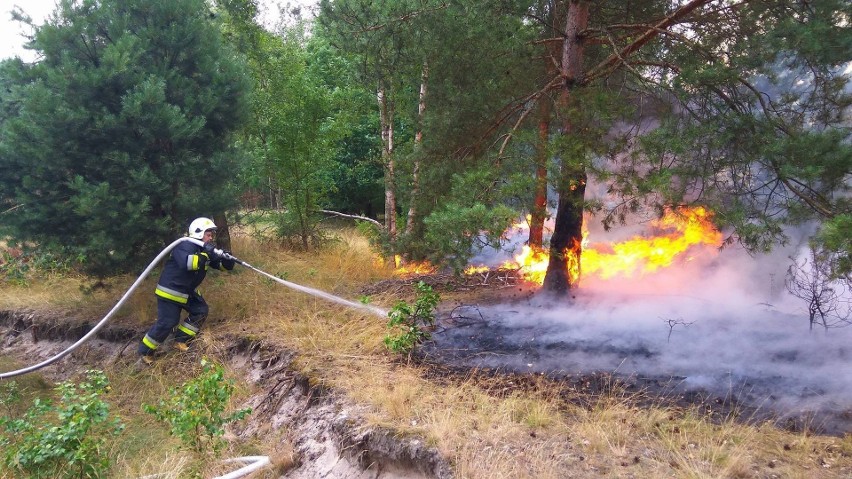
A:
(719, 323)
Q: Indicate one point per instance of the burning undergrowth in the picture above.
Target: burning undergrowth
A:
(707, 328)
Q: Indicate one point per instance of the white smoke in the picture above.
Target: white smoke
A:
(721, 321)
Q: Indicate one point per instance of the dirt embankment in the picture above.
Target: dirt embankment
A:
(328, 432)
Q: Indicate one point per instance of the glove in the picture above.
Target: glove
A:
(210, 249)
(227, 261)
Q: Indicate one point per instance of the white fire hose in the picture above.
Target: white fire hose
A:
(102, 322)
(254, 462)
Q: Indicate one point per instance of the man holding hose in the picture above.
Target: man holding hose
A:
(176, 289)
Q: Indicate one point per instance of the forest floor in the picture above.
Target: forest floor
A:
(330, 401)
(463, 333)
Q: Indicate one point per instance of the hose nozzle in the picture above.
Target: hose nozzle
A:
(228, 256)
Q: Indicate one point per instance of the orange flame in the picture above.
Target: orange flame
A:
(476, 269)
(637, 256)
(646, 255)
(414, 267)
(686, 227)
(532, 263)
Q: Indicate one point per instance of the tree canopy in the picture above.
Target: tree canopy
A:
(741, 106)
(120, 132)
(468, 114)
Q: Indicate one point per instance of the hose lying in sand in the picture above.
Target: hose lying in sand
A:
(102, 322)
(254, 463)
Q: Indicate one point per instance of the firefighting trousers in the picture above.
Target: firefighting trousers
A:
(168, 320)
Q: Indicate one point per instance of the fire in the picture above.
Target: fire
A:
(646, 255)
(636, 256)
(414, 267)
(680, 229)
(476, 269)
(533, 264)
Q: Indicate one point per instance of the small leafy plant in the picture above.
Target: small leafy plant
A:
(409, 321)
(196, 410)
(63, 440)
(10, 396)
(20, 268)
(14, 270)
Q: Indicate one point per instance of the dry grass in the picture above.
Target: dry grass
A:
(485, 431)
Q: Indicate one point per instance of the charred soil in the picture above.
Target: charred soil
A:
(468, 344)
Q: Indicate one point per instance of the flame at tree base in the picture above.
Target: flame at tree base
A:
(680, 230)
(687, 227)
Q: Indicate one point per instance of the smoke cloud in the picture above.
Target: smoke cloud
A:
(718, 321)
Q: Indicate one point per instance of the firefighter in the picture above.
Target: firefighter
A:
(176, 290)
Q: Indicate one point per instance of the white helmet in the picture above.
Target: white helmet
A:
(199, 226)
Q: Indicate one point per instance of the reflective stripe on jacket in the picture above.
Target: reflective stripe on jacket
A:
(184, 271)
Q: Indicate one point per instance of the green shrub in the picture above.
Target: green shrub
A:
(64, 440)
(409, 321)
(196, 410)
(10, 396)
(14, 270)
(37, 262)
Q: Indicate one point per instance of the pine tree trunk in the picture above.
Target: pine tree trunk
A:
(539, 207)
(223, 234)
(563, 269)
(545, 116)
(418, 145)
(386, 121)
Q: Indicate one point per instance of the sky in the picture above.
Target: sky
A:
(12, 41)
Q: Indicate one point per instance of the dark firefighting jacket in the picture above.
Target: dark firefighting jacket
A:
(185, 270)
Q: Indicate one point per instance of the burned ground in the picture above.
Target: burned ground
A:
(472, 339)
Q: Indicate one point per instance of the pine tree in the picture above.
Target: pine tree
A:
(750, 107)
(120, 133)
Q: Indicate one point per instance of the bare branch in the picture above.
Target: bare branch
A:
(508, 136)
(404, 18)
(519, 105)
(357, 217)
(11, 209)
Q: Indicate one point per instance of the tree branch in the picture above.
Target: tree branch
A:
(11, 209)
(408, 16)
(613, 60)
(357, 217)
(520, 105)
